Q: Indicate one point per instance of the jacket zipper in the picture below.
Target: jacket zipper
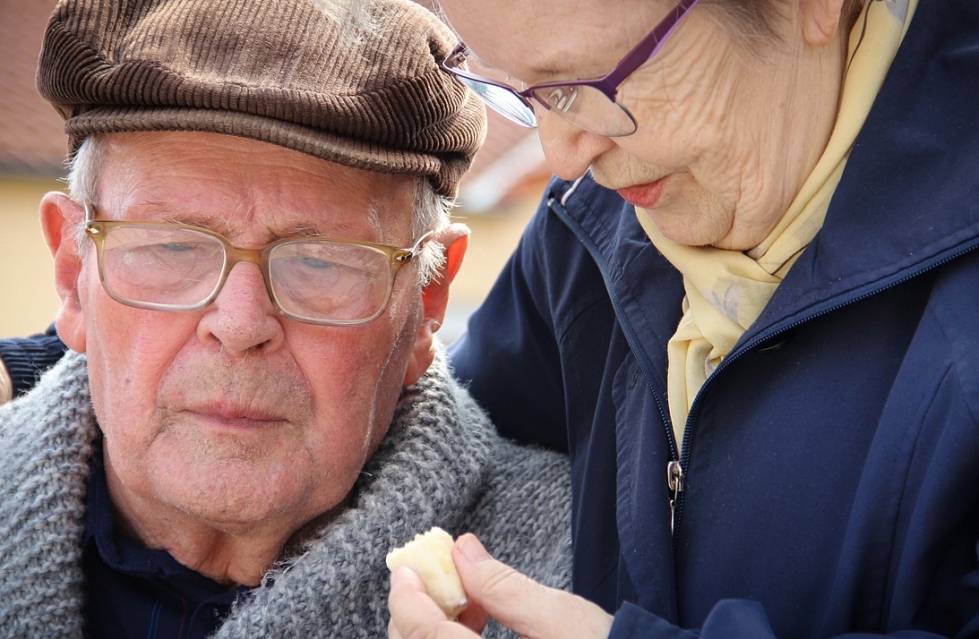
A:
(676, 503)
(674, 468)
(674, 479)
(676, 476)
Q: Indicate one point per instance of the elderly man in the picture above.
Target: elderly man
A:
(253, 260)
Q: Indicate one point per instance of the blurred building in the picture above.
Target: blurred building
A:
(496, 198)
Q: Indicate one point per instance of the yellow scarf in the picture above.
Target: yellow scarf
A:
(727, 290)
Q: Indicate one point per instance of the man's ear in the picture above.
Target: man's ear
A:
(435, 298)
(820, 20)
(60, 216)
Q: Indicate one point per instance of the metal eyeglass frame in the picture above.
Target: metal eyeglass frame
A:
(608, 85)
(98, 230)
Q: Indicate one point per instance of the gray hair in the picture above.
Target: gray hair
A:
(357, 22)
(431, 209)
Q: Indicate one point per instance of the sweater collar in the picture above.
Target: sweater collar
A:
(429, 469)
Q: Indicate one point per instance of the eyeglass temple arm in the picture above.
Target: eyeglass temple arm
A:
(416, 248)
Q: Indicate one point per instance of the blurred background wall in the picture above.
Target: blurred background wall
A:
(497, 196)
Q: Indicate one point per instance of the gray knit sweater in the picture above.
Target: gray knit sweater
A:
(440, 464)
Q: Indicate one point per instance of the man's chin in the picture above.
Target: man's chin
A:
(233, 514)
(236, 493)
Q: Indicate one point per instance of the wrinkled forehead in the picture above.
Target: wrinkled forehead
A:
(238, 186)
(549, 39)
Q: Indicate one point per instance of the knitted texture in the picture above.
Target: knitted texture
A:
(284, 72)
(441, 463)
(45, 446)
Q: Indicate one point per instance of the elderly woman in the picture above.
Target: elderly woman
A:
(749, 309)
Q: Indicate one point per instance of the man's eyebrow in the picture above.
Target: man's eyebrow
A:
(338, 230)
(298, 230)
(228, 224)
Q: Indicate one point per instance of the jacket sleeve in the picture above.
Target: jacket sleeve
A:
(27, 358)
(730, 619)
(509, 356)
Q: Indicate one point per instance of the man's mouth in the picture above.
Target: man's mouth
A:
(237, 416)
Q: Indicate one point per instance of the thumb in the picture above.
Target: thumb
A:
(530, 609)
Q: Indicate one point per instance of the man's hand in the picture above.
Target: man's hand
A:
(6, 385)
(494, 589)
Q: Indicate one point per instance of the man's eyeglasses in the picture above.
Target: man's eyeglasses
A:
(588, 104)
(176, 267)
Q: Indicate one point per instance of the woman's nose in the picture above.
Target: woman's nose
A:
(568, 149)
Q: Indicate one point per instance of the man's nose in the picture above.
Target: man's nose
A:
(569, 150)
(242, 317)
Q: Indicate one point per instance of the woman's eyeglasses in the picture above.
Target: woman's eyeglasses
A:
(588, 104)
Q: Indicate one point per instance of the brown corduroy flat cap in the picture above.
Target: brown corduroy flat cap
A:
(367, 93)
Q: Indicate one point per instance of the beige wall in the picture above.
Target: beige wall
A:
(29, 303)
(494, 236)
(27, 298)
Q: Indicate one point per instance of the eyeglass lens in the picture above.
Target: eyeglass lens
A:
(503, 100)
(584, 106)
(324, 280)
(587, 108)
(180, 269)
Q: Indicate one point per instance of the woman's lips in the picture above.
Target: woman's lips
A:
(643, 195)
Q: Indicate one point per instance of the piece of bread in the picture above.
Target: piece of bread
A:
(430, 555)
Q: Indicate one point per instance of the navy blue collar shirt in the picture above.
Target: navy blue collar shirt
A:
(138, 592)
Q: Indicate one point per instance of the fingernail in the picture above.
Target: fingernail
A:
(472, 549)
(396, 577)
(401, 575)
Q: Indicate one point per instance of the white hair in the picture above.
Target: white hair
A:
(354, 23)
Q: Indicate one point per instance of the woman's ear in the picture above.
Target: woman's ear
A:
(820, 20)
(435, 298)
(60, 217)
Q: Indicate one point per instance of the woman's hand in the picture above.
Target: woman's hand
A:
(494, 590)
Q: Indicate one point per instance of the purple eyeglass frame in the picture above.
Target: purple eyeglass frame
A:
(648, 47)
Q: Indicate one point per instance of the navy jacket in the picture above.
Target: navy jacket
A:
(831, 462)
(27, 358)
